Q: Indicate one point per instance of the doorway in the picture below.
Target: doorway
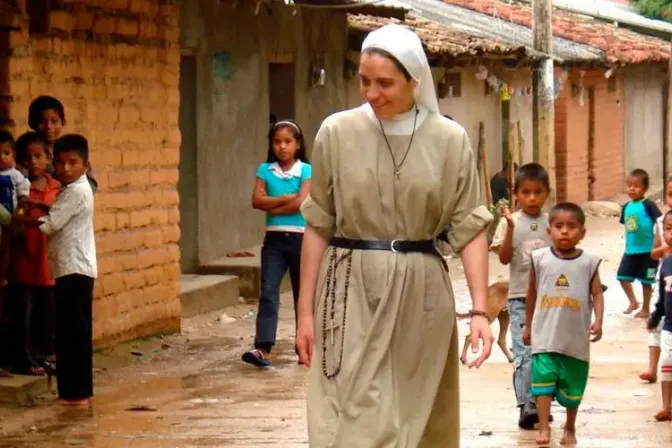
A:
(591, 144)
(187, 186)
(281, 78)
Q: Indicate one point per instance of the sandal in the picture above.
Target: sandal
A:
(256, 358)
(30, 370)
(49, 367)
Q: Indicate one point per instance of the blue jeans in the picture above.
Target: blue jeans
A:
(522, 354)
(281, 252)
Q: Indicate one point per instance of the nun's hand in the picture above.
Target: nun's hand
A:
(480, 331)
(305, 339)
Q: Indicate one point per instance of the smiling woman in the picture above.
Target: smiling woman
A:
(376, 311)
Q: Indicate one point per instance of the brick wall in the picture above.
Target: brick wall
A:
(115, 66)
(572, 127)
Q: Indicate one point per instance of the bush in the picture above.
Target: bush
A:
(655, 9)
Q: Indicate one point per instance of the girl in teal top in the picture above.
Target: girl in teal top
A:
(282, 184)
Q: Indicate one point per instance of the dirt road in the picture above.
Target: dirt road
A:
(197, 392)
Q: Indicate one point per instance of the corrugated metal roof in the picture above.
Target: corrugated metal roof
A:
(492, 28)
(620, 45)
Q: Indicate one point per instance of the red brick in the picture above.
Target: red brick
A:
(123, 220)
(155, 275)
(112, 283)
(174, 215)
(141, 218)
(105, 25)
(61, 20)
(150, 115)
(148, 30)
(153, 238)
(128, 27)
(166, 176)
(104, 221)
(135, 279)
(172, 271)
(83, 20)
(114, 4)
(140, 6)
(171, 234)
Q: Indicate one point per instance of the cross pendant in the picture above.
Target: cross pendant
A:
(396, 172)
(331, 330)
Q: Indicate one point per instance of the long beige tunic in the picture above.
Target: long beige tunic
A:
(398, 383)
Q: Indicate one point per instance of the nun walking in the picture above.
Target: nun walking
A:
(376, 310)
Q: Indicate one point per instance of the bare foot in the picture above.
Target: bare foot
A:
(75, 403)
(664, 415)
(648, 377)
(631, 308)
(544, 438)
(643, 314)
(568, 437)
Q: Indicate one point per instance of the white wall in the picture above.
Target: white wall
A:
(644, 126)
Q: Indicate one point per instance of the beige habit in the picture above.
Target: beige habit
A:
(386, 375)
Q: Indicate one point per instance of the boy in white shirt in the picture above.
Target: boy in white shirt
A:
(72, 259)
(517, 235)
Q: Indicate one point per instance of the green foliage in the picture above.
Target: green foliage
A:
(655, 9)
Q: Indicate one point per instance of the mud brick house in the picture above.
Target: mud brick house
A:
(610, 117)
(115, 66)
(172, 92)
(243, 61)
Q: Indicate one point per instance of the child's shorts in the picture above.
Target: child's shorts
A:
(665, 356)
(561, 376)
(654, 336)
(638, 267)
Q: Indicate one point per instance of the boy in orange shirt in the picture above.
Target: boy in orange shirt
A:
(31, 283)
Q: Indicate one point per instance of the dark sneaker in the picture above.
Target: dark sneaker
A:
(256, 358)
(528, 418)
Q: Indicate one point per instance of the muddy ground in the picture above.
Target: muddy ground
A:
(195, 391)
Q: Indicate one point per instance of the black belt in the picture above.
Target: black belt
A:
(421, 246)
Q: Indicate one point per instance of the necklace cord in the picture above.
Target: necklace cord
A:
(389, 147)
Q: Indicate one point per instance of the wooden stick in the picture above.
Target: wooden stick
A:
(521, 144)
(512, 169)
(484, 162)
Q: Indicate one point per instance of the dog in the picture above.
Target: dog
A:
(496, 307)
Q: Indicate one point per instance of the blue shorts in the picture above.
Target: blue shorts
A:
(639, 267)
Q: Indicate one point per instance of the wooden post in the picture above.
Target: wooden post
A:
(484, 162)
(521, 144)
(667, 137)
(544, 95)
(511, 159)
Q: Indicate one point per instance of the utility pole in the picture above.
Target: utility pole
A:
(544, 95)
(667, 140)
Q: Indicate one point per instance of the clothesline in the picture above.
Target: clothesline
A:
(506, 91)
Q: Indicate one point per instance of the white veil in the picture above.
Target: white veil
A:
(406, 47)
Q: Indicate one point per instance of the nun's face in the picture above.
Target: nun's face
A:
(384, 86)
